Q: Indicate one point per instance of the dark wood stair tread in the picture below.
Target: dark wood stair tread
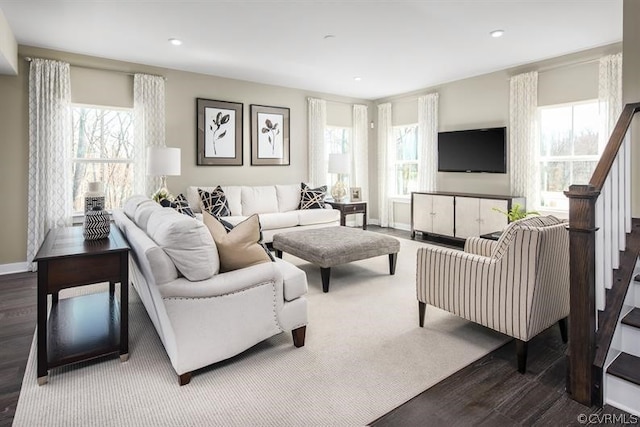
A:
(632, 318)
(627, 367)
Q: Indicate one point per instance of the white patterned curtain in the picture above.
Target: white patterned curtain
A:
(360, 152)
(49, 194)
(523, 143)
(318, 162)
(609, 94)
(428, 141)
(149, 127)
(385, 171)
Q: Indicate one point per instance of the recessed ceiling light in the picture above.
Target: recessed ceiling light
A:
(175, 42)
(329, 36)
(357, 79)
(497, 33)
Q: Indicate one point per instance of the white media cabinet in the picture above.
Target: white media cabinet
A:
(459, 215)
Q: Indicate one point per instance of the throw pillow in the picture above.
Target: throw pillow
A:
(312, 198)
(215, 202)
(240, 247)
(180, 204)
(228, 227)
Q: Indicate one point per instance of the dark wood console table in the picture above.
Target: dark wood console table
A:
(348, 208)
(82, 327)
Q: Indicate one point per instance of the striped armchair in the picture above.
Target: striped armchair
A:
(518, 285)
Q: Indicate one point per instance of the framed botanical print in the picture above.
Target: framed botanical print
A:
(269, 136)
(219, 133)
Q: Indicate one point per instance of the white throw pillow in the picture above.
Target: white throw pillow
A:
(288, 197)
(187, 242)
(257, 200)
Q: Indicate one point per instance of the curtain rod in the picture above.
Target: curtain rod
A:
(87, 67)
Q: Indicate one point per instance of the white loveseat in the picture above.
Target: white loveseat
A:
(203, 316)
(276, 206)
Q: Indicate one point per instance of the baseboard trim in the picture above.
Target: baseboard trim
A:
(400, 226)
(16, 267)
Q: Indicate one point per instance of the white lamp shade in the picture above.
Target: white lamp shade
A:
(339, 163)
(163, 161)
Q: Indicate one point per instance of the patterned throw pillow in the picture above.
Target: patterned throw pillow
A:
(312, 198)
(215, 202)
(180, 204)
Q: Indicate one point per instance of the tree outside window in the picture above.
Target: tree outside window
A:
(405, 140)
(102, 150)
(569, 149)
(337, 140)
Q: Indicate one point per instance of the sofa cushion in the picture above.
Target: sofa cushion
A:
(259, 200)
(317, 216)
(240, 247)
(130, 206)
(214, 202)
(187, 242)
(312, 198)
(288, 197)
(143, 212)
(180, 204)
(272, 221)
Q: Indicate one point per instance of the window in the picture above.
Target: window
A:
(102, 151)
(337, 140)
(405, 140)
(569, 149)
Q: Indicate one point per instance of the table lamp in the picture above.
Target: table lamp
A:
(339, 163)
(163, 161)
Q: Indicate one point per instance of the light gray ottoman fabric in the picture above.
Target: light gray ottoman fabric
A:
(331, 246)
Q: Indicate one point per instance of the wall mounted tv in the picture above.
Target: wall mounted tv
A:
(477, 150)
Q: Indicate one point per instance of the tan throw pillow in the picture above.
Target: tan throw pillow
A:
(240, 247)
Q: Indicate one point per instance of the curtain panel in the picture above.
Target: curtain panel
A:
(427, 141)
(360, 151)
(49, 192)
(318, 163)
(523, 142)
(385, 164)
(609, 94)
(149, 127)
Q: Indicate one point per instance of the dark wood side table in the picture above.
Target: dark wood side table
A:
(88, 326)
(348, 208)
(492, 236)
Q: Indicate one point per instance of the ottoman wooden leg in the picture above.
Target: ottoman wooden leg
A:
(326, 274)
(392, 263)
(278, 253)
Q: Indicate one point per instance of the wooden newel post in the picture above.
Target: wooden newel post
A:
(582, 317)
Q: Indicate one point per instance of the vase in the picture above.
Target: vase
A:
(94, 197)
(97, 223)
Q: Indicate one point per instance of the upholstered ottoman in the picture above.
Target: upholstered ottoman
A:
(331, 246)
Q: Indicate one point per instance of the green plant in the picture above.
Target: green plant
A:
(516, 212)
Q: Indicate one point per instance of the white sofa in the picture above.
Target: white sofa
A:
(203, 316)
(276, 205)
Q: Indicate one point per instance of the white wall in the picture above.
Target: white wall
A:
(483, 101)
(8, 48)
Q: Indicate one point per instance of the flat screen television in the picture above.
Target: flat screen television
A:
(477, 150)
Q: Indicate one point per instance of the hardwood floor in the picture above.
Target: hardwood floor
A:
(18, 304)
(488, 392)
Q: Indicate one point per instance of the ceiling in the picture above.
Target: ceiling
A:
(393, 46)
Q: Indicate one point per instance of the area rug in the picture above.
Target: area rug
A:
(364, 355)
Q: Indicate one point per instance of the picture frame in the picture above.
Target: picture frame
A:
(219, 129)
(270, 143)
(356, 194)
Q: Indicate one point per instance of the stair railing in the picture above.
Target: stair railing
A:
(599, 219)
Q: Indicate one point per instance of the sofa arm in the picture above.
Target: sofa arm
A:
(480, 246)
(295, 280)
(224, 283)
